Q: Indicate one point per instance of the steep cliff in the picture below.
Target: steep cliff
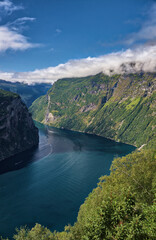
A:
(120, 107)
(17, 130)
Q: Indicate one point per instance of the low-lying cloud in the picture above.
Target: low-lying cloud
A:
(130, 61)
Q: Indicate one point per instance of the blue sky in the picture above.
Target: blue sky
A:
(42, 34)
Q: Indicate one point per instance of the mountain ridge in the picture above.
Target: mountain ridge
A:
(27, 92)
(119, 107)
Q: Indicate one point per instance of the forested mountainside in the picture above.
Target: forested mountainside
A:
(28, 93)
(17, 130)
(120, 107)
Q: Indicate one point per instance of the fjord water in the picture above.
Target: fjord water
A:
(47, 185)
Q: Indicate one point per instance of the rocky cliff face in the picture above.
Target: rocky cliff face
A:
(17, 130)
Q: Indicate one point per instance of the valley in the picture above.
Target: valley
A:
(77, 120)
(120, 108)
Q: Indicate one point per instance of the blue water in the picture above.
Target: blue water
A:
(47, 185)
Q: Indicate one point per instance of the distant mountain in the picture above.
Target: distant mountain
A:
(17, 130)
(27, 92)
(120, 107)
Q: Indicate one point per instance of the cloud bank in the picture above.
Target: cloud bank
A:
(129, 61)
(141, 58)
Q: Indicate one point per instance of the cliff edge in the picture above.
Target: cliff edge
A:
(17, 130)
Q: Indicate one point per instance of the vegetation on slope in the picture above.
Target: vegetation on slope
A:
(122, 207)
(27, 92)
(116, 107)
(7, 95)
(6, 99)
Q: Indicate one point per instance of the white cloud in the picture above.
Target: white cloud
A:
(19, 23)
(147, 31)
(51, 50)
(142, 58)
(6, 6)
(129, 61)
(11, 39)
(58, 30)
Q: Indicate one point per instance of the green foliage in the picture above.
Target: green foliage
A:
(120, 207)
(36, 233)
(7, 94)
(5, 99)
(115, 220)
(133, 103)
(40, 112)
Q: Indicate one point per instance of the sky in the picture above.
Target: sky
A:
(44, 40)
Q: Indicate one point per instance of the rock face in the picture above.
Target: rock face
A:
(17, 130)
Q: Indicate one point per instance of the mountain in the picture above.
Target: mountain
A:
(17, 130)
(120, 107)
(27, 92)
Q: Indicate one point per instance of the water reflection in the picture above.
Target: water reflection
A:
(53, 140)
